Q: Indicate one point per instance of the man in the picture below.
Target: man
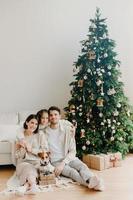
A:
(63, 153)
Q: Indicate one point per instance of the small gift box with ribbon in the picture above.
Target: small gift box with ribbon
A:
(115, 159)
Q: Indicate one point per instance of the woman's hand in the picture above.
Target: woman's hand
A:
(20, 144)
(28, 148)
(59, 168)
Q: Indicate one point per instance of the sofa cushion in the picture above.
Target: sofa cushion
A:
(8, 118)
(8, 132)
(5, 159)
(5, 147)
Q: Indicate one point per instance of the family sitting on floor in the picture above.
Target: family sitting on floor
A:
(46, 132)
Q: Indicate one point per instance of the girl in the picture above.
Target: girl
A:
(29, 142)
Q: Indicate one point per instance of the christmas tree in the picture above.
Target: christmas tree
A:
(98, 106)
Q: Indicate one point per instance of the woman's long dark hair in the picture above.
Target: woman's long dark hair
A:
(30, 117)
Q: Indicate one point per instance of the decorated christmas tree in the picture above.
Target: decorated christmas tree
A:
(98, 106)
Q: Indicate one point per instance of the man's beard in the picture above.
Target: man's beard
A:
(54, 123)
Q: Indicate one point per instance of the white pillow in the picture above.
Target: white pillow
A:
(8, 132)
(9, 118)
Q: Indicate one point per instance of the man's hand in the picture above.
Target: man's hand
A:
(59, 168)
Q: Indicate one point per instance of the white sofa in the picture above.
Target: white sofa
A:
(10, 123)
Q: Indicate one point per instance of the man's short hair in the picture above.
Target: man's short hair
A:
(52, 108)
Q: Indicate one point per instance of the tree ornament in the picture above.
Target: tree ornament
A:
(121, 139)
(111, 91)
(112, 127)
(98, 60)
(79, 98)
(88, 120)
(88, 70)
(109, 67)
(74, 69)
(73, 113)
(99, 102)
(85, 77)
(128, 113)
(102, 94)
(99, 82)
(91, 55)
(105, 55)
(100, 114)
(109, 121)
(116, 113)
(80, 114)
(72, 107)
(99, 74)
(102, 70)
(96, 41)
(84, 147)
(112, 138)
(91, 28)
(92, 96)
(82, 133)
(80, 83)
(88, 142)
(74, 122)
(118, 105)
(104, 133)
(98, 70)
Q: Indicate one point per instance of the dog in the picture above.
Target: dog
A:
(44, 165)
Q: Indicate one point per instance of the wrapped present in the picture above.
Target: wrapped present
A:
(94, 161)
(115, 159)
(47, 179)
(103, 161)
(106, 161)
(47, 182)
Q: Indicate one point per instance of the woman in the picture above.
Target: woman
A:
(29, 142)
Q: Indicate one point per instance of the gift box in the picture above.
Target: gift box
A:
(94, 161)
(103, 161)
(47, 182)
(115, 159)
(47, 179)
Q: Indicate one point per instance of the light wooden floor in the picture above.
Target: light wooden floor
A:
(118, 181)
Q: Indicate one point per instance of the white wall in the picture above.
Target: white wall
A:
(39, 41)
